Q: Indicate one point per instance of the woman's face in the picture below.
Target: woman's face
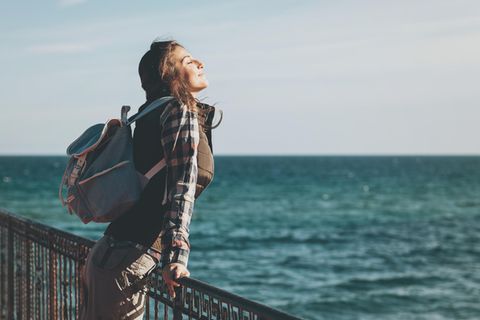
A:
(190, 69)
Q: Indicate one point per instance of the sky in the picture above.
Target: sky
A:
(292, 77)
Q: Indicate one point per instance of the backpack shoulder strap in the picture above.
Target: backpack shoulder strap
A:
(162, 163)
(152, 106)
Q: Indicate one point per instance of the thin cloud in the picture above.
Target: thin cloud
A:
(64, 48)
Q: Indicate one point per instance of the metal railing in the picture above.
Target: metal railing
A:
(39, 279)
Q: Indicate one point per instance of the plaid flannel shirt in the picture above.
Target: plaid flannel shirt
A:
(180, 138)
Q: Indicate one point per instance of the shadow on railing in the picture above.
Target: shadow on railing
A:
(39, 279)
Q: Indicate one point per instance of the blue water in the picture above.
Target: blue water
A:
(319, 237)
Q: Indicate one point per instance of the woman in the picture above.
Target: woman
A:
(156, 229)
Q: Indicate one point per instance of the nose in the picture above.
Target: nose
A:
(200, 64)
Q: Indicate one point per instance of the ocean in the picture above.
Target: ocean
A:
(321, 237)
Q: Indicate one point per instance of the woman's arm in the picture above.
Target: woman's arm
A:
(180, 138)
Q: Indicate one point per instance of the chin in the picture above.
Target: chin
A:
(199, 85)
(203, 85)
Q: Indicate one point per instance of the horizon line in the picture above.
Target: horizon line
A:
(294, 155)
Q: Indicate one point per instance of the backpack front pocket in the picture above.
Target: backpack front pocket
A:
(111, 192)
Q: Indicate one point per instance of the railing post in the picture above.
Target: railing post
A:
(178, 303)
(10, 275)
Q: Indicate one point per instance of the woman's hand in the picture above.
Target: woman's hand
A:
(172, 272)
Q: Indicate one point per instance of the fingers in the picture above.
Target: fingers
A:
(181, 273)
(171, 287)
(171, 291)
(176, 274)
(171, 273)
(173, 283)
(170, 281)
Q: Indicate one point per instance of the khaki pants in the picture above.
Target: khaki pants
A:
(110, 269)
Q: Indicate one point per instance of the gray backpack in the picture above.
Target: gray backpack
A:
(101, 180)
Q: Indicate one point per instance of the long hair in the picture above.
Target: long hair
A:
(160, 77)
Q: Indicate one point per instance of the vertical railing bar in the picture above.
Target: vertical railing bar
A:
(42, 281)
(18, 273)
(156, 310)
(2, 271)
(61, 286)
(81, 268)
(25, 274)
(18, 287)
(65, 288)
(190, 302)
(28, 272)
(21, 288)
(147, 304)
(14, 275)
(70, 291)
(165, 311)
(229, 310)
(77, 280)
(39, 272)
(36, 257)
(208, 307)
(52, 274)
(63, 281)
(10, 274)
(46, 285)
(38, 281)
(177, 304)
(155, 289)
(43, 270)
(41, 275)
(58, 284)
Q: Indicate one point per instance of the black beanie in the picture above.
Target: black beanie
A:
(148, 70)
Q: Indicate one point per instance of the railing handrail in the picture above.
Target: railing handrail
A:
(45, 227)
(263, 311)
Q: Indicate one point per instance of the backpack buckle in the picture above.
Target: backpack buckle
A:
(124, 112)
